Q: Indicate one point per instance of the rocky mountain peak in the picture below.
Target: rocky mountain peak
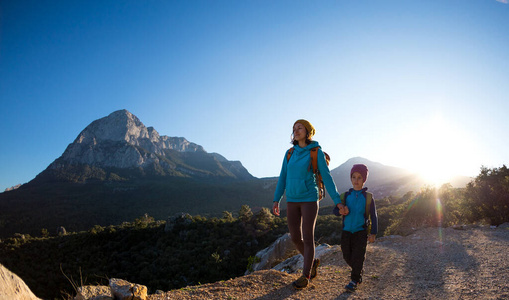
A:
(120, 125)
(121, 140)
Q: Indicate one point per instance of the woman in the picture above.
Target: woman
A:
(302, 196)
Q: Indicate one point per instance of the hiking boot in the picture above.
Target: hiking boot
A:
(301, 283)
(314, 268)
(351, 287)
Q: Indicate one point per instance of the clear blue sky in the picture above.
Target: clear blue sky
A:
(422, 85)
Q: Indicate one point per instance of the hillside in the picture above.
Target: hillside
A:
(431, 263)
(79, 207)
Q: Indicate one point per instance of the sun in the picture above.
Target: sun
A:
(434, 148)
(439, 150)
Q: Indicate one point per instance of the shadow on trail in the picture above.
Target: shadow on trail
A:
(445, 256)
(344, 295)
(281, 293)
(288, 291)
(499, 233)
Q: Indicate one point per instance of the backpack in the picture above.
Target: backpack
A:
(367, 215)
(313, 166)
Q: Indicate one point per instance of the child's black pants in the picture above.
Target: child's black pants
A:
(353, 246)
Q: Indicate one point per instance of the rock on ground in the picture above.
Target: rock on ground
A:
(12, 287)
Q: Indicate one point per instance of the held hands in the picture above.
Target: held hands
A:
(275, 209)
(343, 209)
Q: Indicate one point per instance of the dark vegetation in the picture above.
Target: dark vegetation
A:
(188, 250)
(106, 202)
(192, 250)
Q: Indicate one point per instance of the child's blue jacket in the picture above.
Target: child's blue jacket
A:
(298, 179)
(356, 220)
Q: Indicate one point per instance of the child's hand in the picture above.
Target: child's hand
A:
(346, 211)
(371, 238)
(343, 209)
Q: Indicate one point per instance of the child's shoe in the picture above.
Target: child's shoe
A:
(314, 267)
(351, 287)
(301, 283)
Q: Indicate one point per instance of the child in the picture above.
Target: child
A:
(356, 223)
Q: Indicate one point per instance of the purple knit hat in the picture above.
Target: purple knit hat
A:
(361, 169)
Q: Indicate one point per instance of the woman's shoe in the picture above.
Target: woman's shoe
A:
(301, 283)
(314, 268)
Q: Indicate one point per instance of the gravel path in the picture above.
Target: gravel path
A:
(431, 263)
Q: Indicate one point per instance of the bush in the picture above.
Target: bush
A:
(488, 196)
(432, 206)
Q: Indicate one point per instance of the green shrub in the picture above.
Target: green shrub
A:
(488, 196)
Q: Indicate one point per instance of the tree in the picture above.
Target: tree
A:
(488, 196)
(228, 216)
(264, 216)
(263, 221)
(245, 213)
(143, 221)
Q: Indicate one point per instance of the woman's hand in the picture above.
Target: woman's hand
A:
(275, 209)
(343, 209)
(371, 238)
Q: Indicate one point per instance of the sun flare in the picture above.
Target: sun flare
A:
(436, 150)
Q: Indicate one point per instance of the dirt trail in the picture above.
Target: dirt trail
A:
(431, 263)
